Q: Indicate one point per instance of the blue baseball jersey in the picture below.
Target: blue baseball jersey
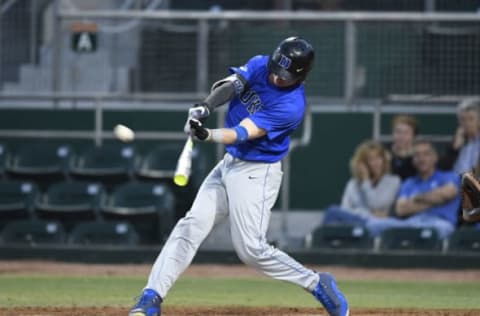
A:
(279, 111)
(415, 185)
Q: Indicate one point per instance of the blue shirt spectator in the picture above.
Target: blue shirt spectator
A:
(429, 199)
(414, 186)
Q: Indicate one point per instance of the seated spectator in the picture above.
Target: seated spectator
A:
(429, 199)
(372, 189)
(404, 130)
(464, 152)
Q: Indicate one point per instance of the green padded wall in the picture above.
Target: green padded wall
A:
(319, 171)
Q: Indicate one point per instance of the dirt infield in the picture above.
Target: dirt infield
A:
(214, 271)
(220, 311)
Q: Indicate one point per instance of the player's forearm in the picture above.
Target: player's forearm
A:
(225, 136)
(241, 133)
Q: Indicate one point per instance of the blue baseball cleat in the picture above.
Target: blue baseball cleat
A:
(148, 304)
(330, 296)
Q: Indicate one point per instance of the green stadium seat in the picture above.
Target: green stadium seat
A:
(160, 162)
(104, 233)
(465, 239)
(147, 206)
(70, 202)
(16, 200)
(42, 162)
(111, 163)
(340, 237)
(416, 239)
(33, 233)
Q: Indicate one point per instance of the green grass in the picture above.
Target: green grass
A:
(120, 291)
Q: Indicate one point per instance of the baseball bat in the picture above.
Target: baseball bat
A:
(184, 164)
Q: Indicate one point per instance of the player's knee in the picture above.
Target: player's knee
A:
(193, 228)
(252, 255)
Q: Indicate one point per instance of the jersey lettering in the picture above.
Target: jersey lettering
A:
(252, 101)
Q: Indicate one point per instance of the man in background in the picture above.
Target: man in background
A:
(429, 199)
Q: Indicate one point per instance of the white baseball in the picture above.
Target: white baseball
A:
(123, 133)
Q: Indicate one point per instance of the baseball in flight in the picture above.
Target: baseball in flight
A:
(123, 133)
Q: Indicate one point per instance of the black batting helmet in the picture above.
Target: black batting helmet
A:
(292, 59)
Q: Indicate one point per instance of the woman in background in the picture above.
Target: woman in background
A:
(372, 189)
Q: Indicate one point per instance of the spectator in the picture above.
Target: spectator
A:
(465, 149)
(429, 199)
(372, 189)
(404, 130)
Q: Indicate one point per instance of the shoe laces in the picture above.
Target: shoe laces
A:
(324, 297)
(144, 300)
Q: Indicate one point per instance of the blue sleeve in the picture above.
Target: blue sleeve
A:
(453, 178)
(278, 120)
(405, 189)
(247, 70)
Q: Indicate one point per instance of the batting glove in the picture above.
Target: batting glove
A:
(199, 112)
(198, 130)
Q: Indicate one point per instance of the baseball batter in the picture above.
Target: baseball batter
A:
(266, 104)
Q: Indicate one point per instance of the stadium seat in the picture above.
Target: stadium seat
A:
(465, 239)
(70, 202)
(340, 237)
(16, 200)
(104, 233)
(424, 239)
(160, 162)
(33, 232)
(111, 163)
(42, 162)
(147, 206)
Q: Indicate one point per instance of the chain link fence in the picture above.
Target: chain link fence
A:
(358, 55)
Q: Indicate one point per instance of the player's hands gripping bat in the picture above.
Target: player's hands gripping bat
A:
(471, 196)
(197, 129)
(184, 164)
(198, 112)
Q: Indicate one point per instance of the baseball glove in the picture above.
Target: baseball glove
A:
(471, 197)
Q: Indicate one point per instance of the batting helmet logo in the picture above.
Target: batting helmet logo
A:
(284, 62)
(292, 59)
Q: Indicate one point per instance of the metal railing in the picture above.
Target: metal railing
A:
(98, 134)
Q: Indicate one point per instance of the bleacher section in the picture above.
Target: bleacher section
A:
(125, 217)
(139, 205)
(91, 186)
